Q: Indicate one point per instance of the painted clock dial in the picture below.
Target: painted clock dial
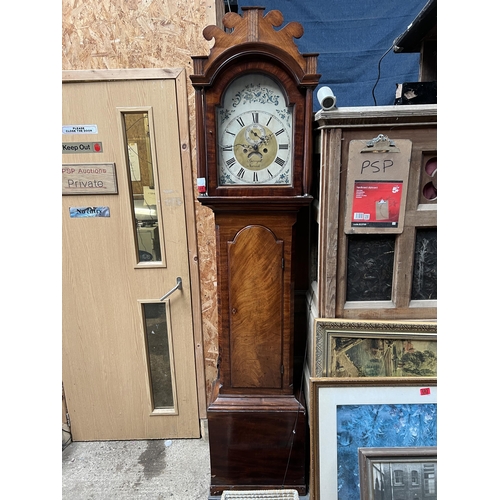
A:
(255, 131)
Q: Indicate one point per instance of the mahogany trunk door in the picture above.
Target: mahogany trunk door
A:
(129, 369)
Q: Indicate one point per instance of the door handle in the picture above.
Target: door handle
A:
(176, 287)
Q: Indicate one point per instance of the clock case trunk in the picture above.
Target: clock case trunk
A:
(257, 420)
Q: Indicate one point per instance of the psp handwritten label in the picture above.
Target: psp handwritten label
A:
(376, 187)
(89, 178)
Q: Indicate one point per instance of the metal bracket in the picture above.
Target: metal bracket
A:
(380, 144)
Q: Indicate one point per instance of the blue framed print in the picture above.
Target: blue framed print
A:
(353, 414)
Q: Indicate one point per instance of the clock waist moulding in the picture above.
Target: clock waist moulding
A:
(254, 120)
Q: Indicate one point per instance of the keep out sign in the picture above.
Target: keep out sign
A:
(81, 147)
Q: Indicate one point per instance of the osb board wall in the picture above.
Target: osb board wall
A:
(119, 34)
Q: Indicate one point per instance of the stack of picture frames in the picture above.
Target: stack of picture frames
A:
(373, 410)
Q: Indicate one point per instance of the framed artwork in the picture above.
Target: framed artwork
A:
(398, 473)
(352, 414)
(364, 348)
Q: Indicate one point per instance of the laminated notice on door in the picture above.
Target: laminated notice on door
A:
(377, 182)
(86, 212)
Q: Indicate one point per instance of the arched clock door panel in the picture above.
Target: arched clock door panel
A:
(255, 263)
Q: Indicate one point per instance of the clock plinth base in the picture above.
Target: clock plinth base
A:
(253, 445)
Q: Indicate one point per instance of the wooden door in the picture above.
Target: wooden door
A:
(128, 356)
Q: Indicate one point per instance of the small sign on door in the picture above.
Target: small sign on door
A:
(79, 129)
(86, 212)
(89, 178)
(81, 147)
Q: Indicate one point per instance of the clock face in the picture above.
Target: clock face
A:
(255, 134)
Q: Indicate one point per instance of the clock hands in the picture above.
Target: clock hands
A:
(263, 139)
(255, 147)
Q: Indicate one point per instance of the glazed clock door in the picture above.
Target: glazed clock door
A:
(255, 131)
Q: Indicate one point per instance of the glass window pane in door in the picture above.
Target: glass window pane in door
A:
(158, 350)
(142, 185)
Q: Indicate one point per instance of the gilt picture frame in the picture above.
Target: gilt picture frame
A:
(367, 348)
(349, 414)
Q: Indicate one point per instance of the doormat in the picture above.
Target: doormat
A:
(261, 495)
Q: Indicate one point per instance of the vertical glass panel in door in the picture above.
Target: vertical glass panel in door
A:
(142, 185)
(158, 350)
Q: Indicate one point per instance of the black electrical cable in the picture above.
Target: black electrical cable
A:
(292, 435)
(66, 443)
(378, 77)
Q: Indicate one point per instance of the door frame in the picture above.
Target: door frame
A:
(180, 77)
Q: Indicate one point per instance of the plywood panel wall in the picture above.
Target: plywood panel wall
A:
(134, 33)
(116, 34)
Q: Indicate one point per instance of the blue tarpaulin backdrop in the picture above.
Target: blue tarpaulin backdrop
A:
(351, 37)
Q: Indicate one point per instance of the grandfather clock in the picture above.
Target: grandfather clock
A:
(254, 135)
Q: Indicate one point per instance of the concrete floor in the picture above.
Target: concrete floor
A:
(176, 469)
